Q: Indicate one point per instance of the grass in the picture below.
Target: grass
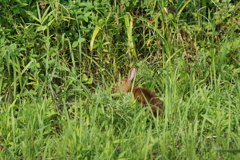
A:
(193, 126)
(58, 66)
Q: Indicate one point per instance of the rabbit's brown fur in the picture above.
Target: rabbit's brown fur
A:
(142, 95)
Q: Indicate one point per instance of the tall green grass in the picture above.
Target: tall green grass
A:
(58, 66)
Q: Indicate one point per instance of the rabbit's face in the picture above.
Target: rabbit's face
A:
(122, 86)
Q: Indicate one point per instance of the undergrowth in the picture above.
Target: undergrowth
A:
(60, 59)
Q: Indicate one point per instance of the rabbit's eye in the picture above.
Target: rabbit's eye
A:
(121, 82)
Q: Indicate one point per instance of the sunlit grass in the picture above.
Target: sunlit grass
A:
(193, 125)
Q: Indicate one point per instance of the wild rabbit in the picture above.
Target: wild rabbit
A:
(142, 95)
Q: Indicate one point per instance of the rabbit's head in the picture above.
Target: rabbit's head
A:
(125, 85)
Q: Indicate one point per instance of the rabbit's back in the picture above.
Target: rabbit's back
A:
(146, 97)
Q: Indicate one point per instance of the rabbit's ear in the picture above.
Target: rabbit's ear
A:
(132, 73)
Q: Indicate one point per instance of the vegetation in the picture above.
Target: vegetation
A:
(59, 60)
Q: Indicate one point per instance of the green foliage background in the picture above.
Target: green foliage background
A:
(58, 63)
